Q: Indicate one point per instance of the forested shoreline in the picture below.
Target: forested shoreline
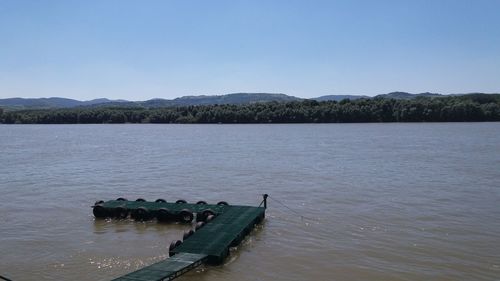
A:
(467, 108)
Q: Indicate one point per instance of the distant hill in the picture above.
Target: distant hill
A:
(339, 97)
(102, 101)
(39, 103)
(43, 103)
(407, 96)
(237, 98)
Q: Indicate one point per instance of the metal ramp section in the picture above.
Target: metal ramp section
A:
(167, 269)
(226, 230)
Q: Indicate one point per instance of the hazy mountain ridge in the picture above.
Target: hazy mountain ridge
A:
(53, 102)
(408, 96)
(56, 102)
(340, 97)
(235, 98)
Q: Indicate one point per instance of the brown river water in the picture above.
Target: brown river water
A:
(348, 201)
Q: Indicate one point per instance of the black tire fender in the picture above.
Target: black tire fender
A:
(202, 216)
(141, 214)
(187, 234)
(173, 245)
(100, 212)
(186, 216)
(164, 215)
(199, 225)
(121, 212)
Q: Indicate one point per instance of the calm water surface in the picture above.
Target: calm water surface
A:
(379, 201)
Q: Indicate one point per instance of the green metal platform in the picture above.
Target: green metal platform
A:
(226, 230)
(155, 206)
(209, 244)
(168, 269)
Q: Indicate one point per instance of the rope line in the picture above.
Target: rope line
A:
(295, 212)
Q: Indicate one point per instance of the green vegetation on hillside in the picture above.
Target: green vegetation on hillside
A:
(474, 107)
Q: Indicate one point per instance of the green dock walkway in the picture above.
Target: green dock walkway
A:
(168, 269)
(209, 244)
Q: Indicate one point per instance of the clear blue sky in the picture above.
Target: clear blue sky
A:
(139, 50)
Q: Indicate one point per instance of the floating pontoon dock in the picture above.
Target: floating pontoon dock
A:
(219, 227)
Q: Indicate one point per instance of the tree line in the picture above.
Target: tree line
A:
(475, 107)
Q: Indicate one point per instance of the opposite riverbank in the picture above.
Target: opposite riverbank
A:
(466, 108)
